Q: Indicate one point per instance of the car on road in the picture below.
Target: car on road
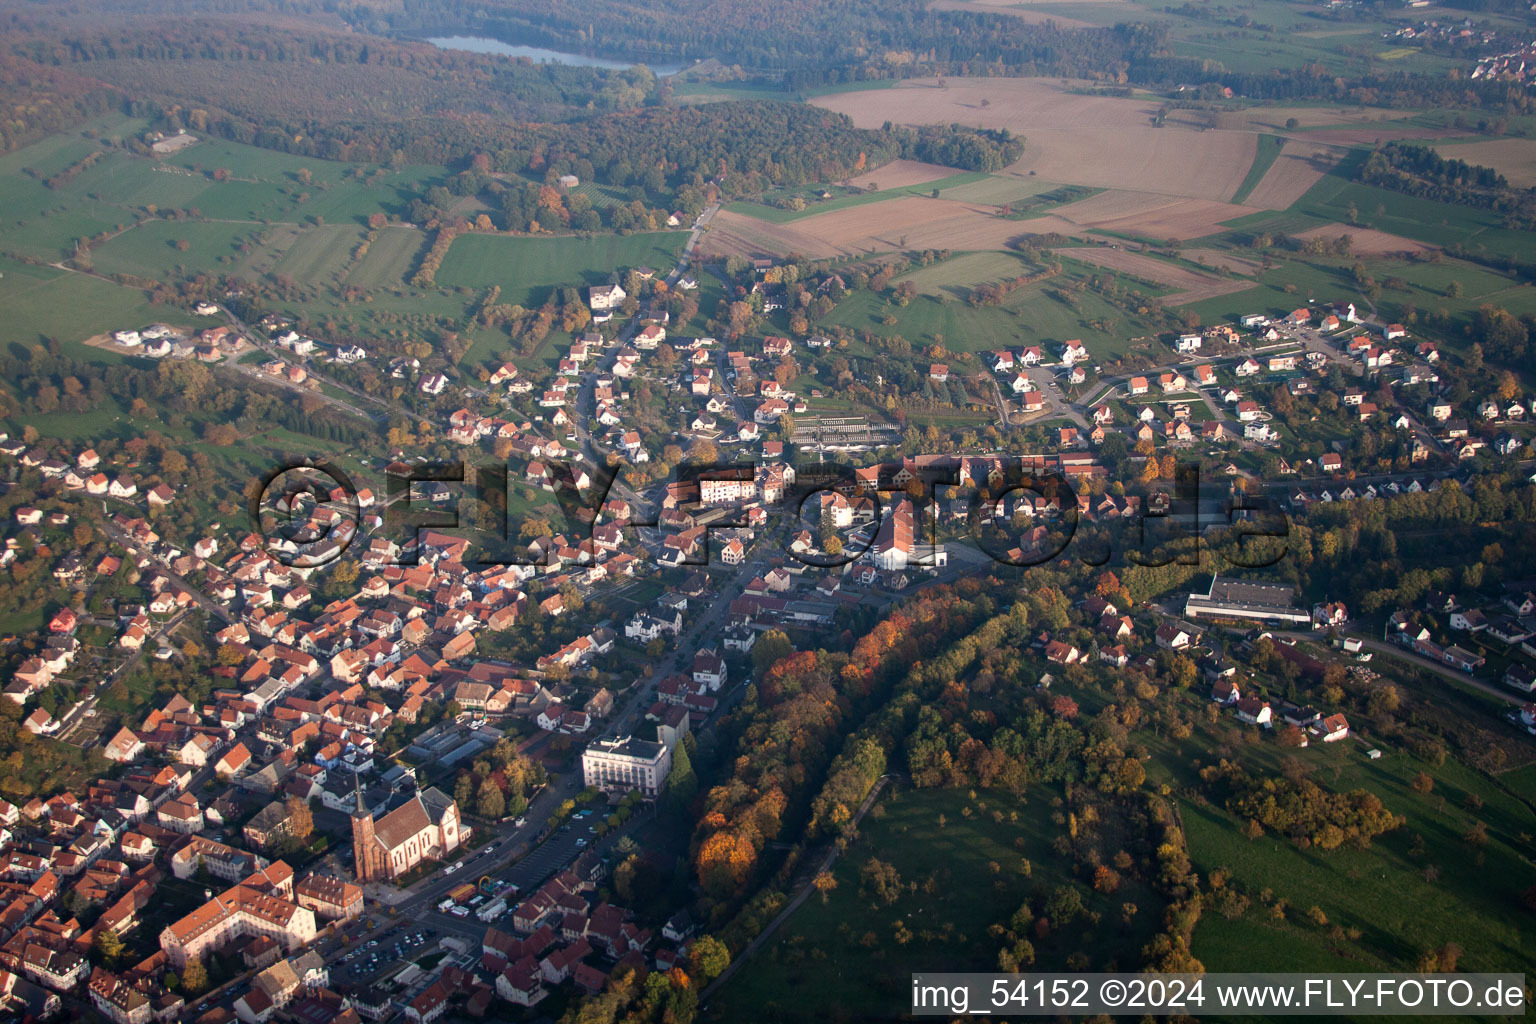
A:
(580, 843)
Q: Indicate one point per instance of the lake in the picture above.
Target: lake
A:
(480, 44)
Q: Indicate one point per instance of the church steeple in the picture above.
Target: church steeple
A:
(362, 836)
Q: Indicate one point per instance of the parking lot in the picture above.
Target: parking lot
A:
(384, 954)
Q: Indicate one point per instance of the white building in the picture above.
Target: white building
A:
(624, 764)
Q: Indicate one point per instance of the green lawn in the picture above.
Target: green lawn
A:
(841, 953)
(529, 268)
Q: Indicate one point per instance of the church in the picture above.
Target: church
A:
(425, 827)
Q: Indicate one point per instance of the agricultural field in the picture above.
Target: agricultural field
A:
(1513, 158)
(321, 254)
(48, 302)
(528, 269)
(901, 174)
(1186, 284)
(912, 222)
(390, 259)
(1268, 148)
(1424, 288)
(154, 249)
(1072, 137)
(816, 206)
(998, 190)
(1150, 215)
(1037, 314)
(1297, 166)
(959, 274)
(840, 952)
(1402, 900)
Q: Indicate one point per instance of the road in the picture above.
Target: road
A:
(1392, 650)
(204, 602)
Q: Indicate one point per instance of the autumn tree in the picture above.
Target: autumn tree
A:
(194, 977)
(709, 958)
(301, 821)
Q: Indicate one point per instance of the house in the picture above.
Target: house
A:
(1060, 653)
(1188, 343)
(1247, 368)
(1137, 386)
(1253, 711)
(1172, 638)
(1392, 332)
(1330, 462)
(1333, 728)
(938, 372)
(606, 297)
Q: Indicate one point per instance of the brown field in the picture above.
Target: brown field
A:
(913, 222)
(1297, 168)
(1223, 260)
(1385, 132)
(1315, 117)
(900, 174)
(1208, 291)
(1019, 104)
(1148, 268)
(1106, 141)
(1192, 284)
(1513, 158)
(1152, 215)
(918, 222)
(1169, 161)
(1366, 242)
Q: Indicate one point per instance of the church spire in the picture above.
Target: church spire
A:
(361, 809)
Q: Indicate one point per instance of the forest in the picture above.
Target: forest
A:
(1421, 172)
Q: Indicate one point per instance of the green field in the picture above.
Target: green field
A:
(1031, 315)
(1424, 287)
(958, 274)
(1337, 198)
(529, 268)
(849, 198)
(319, 255)
(1389, 892)
(389, 260)
(45, 302)
(997, 190)
(150, 250)
(841, 953)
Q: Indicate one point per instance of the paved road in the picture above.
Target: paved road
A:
(204, 602)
